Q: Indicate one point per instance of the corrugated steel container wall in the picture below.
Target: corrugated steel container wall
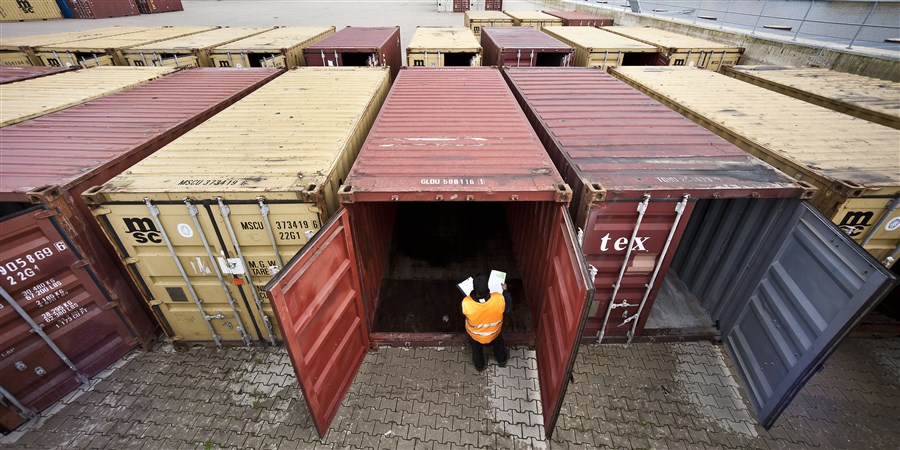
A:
(281, 47)
(107, 50)
(493, 5)
(10, 74)
(430, 45)
(856, 190)
(534, 19)
(867, 98)
(101, 9)
(682, 50)
(19, 11)
(476, 20)
(159, 6)
(33, 98)
(379, 45)
(28, 44)
(102, 315)
(14, 59)
(580, 19)
(65, 9)
(613, 145)
(597, 48)
(276, 160)
(188, 51)
(523, 47)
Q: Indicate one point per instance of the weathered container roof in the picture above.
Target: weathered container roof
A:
(453, 130)
(72, 145)
(283, 137)
(668, 39)
(38, 40)
(530, 15)
(123, 41)
(523, 37)
(206, 39)
(574, 15)
(32, 98)
(597, 39)
(610, 133)
(456, 38)
(10, 74)
(834, 145)
(277, 39)
(355, 37)
(487, 15)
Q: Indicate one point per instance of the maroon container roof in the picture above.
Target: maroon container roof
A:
(452, 132)
(603, 131)
(68, 146)
(10, 74)
(352, 38)
(523, 38)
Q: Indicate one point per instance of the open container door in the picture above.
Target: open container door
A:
(819, 284)
(319, 306)
(564, 287)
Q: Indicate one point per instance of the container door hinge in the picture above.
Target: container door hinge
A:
(108, 306)
(131, 260)
(155, 302)
(100, 211)
(45, 214)
(78, 264)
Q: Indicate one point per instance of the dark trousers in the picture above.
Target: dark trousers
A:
(478, 352)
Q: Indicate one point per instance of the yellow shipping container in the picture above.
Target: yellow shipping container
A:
(107, 50)
(535, 19)
(443, 46)
(207, 220)
(867, 98)
(855, 164)
(682, 50)
(28, 99)
(597, 48)
(19, 11)
(188, 51)
(281, 47)
(14, 59)
(476, 20)
(28, 43)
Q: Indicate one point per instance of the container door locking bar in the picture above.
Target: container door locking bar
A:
(192, 210)
(154, 211)
(264, 211)
(641, 209)
(40, 332)
(26, 413)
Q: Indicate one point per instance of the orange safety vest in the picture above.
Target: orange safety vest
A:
(484, 320)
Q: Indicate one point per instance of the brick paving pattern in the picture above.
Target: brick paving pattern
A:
(683, 395)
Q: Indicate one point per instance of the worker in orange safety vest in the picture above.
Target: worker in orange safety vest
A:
(484, 311)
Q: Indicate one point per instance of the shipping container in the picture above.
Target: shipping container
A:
(580, 19)
(682, 50)
(188, 51)
(33, 98)
(28, 43)
(534, 19)
(523, 47)
(476, 20)
(65, 9)
(20, 11)
(358, 47)
(460, 5)
(853, 163)
(107, 50)
(14, 59)
(443, 47)
(203, 243)
(101, 9)
(597, 48)
(158, 6)
(55, 262)
(493, 5)
(10, 74)
(671, 214)
(281, 47)
(870, 99)
(445, 5)
(441, 189)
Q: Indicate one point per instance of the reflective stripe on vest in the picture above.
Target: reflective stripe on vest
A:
(484, 320)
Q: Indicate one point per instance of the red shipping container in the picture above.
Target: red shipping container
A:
(523, 47)
(493, 5)
(57, 266)
(100, 9)
(460, 5)
(580, 19)
(11, 74)
(159, 6)
(358, 46)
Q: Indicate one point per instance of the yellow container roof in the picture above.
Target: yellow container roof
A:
(277, 39)
(27, 99)
(667, 39)
(122, 41)
(487, 15)
(206, 39)
(38, 40)
(531, 15)
(456, 38)
(597, 39)
(283, 137)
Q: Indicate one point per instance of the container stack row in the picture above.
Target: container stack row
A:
(27, 10)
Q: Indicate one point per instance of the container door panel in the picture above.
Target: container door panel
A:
(818, 286)
(319, 305)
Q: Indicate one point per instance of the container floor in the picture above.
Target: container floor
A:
(677, 308)
(434, 247)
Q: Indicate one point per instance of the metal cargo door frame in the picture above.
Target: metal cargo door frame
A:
(319, 305)
(818, 285)
(568, 292)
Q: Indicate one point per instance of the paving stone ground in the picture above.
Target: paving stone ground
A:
(683, 395)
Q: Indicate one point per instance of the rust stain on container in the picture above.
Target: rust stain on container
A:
(10, 74)
(523, 47)
(358, 46)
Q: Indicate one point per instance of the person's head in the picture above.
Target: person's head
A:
(480, 289)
